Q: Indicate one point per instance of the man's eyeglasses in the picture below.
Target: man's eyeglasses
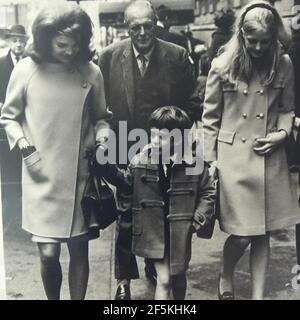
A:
(137, 27)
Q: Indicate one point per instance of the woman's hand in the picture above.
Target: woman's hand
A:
(23, 143)
(266, 146)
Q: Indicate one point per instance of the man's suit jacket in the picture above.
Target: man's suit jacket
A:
(175, 77)
(6, 68)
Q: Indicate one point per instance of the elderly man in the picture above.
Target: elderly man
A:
(140, 74)
(10, 161)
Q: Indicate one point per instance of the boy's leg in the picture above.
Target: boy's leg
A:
(179, 284)
(162, 267)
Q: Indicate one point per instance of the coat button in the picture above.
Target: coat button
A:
(243, 139)
(244, 115)
(261, 92)
(259, 116)
(245, 92)
(84, 85)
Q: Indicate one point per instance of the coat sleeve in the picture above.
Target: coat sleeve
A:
(99, 109)
(12, 111)
(212, 114)
(287, 103)
(205, 200)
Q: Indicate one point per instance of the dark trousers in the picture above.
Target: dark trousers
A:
(125, 261)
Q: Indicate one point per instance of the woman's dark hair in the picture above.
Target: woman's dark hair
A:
(170, 117)
(68, 19)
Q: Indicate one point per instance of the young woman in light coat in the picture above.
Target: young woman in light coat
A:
(55, 102)
(248, 114)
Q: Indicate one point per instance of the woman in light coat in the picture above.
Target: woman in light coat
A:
(248, 114)
(55, 102)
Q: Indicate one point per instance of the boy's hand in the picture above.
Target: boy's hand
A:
(199, 221)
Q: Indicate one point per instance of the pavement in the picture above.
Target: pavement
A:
(23, 280)
(23, 277)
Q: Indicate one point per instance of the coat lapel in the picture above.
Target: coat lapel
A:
(163, 63)
(127, 65)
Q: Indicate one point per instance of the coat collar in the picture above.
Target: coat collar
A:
(187, 158)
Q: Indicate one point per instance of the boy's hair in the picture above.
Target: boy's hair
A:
(170, 117)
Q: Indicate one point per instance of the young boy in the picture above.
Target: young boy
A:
(167, 204)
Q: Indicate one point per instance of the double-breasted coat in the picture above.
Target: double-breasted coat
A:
(256, 194)
(162, 220)
(61, 112)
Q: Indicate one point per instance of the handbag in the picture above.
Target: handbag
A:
(98, 202)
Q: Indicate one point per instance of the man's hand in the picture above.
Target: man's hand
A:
(266, 146)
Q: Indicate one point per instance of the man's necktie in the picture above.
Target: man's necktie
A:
(143, 65)
(17, 59)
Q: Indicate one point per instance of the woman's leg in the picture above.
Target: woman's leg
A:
(259, 259)
(179, 286)
(234, 248)
(163, 283)
(50, 269)
(78, 269)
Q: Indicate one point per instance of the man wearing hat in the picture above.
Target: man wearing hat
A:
(10, 161)
(16, 39)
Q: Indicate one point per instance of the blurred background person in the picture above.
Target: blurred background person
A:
(224, 21)
(162, 28)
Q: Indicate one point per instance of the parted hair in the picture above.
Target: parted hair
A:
(68, 19)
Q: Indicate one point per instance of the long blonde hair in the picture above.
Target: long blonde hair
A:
(265, 17)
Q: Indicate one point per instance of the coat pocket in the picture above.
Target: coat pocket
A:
(226, 136)
(33, 165)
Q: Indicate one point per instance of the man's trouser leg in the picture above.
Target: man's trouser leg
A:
(125, 261)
